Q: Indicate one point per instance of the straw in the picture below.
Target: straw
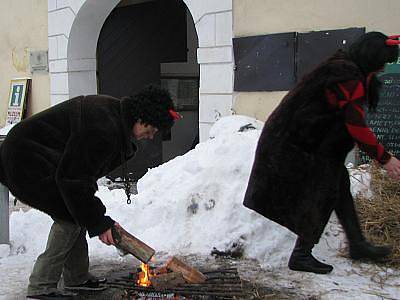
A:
(380, 215)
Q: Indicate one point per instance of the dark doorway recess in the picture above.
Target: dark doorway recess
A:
(133, 43)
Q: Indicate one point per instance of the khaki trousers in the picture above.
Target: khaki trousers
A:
(66, 254)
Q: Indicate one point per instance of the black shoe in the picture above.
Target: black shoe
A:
(61, 295)
(365, 250)
(302, 259)
(308, 263)
(92, 284)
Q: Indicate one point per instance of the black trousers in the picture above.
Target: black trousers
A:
(345, 210)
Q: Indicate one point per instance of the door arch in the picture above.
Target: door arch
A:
(74, 27)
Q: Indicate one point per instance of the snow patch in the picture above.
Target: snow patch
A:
(4, 250)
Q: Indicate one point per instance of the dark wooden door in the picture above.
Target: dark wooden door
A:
(128, 60)
(132, 43)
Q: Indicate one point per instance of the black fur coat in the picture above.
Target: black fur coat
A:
(52, 160)
(298, 172)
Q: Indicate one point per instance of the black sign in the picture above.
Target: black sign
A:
(265, 62)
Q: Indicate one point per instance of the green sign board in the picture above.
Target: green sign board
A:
(17, 94)
(19, 90)
(385, 123)
(393, 67)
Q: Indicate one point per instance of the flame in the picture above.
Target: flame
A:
(144, 276)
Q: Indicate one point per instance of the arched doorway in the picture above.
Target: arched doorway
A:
(152, 42)
(74, 28)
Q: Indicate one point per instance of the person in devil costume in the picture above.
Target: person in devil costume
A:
(298, 176)
(52, 160)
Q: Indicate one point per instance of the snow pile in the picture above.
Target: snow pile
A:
(233, 124)
(194, 202)
(28, 232)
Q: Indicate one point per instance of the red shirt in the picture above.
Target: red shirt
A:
(350, 97)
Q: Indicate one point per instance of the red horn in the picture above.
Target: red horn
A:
(393, 40)
(390, 42)
(174, 115)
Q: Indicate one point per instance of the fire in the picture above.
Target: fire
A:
(144, 276)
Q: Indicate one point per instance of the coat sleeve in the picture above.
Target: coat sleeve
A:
(349, 96)
(76, 178)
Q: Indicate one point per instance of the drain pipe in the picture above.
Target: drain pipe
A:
(4, 215)
(4, 210)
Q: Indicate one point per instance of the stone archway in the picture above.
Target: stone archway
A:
(74, 27)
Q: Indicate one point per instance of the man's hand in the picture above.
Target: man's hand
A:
(106, 237)
(393, 168)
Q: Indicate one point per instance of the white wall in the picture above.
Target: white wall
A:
(23, 28)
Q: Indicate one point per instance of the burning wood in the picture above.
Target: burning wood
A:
(190, 274)
(161, 270)
(168, 280)
(219, 284)
(129, 244)
(144, 276)
(173, 274)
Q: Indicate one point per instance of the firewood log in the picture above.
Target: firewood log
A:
(190, 274)
(127, 243)
(160, 270)
(167, 281)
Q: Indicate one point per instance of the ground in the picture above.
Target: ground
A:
(256, 280)
(349, 280)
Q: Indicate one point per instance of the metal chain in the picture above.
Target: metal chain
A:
(127, 182)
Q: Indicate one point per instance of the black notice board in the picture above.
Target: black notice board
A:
(316, 46)
(275, 62)
(265, 62)
(385, 122)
